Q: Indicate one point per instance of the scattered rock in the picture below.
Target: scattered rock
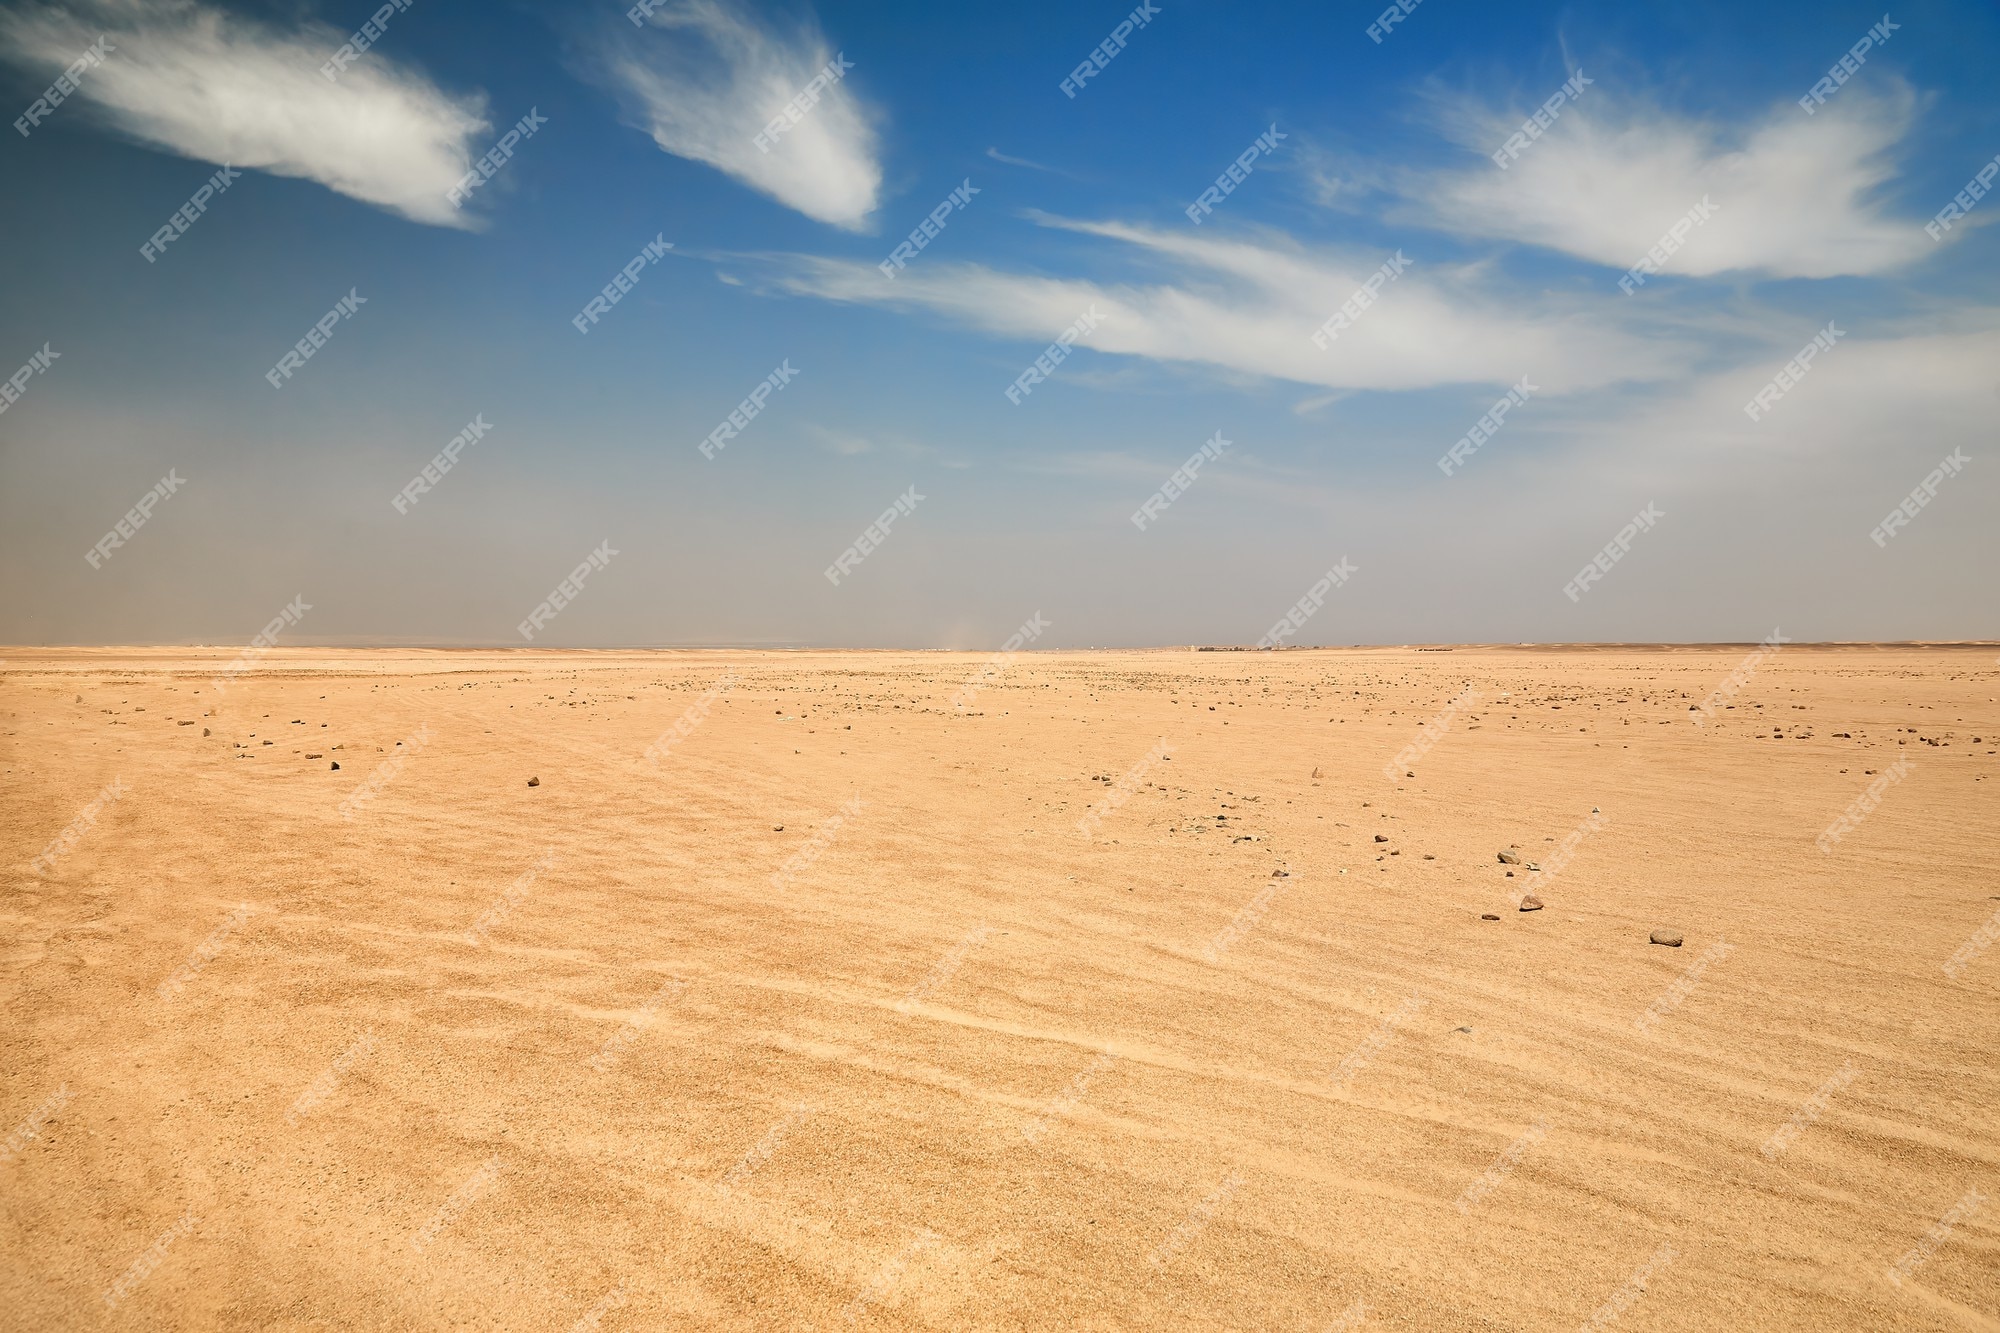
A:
(1489, 916)
(1509, 859)
(1530, 903)
(1510, 874)
(1315, 771)
(1429, 857)
(204, 731)
(1381, 837)
(1461, 1029)
(777, 828)
(315, 756)
(336, 766)
(534, 782)
(1670, 938)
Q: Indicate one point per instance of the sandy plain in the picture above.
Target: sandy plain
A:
(848, 1014)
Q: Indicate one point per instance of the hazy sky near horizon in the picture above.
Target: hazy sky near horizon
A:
(648, 131)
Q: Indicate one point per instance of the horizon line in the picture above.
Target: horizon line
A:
(389, 645)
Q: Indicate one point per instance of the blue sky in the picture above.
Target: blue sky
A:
(1512, 275)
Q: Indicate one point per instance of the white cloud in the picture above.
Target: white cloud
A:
(1853, 411)
(223, 89)
(1250, 309)
(999, 156)
(704, 81)
(1798, 196)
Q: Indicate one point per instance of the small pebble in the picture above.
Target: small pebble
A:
(1670, 938)
(1489, 916)
(534, 782)
(1530, 903)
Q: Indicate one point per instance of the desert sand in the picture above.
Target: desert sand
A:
(1131, 994)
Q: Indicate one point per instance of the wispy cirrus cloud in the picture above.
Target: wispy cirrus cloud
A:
(1798, 196)
(704, 79)
(1794, 197)
(221, 88)
(1249, 308)
(999, 156)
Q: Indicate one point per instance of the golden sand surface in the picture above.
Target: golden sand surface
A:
(1131, 993)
